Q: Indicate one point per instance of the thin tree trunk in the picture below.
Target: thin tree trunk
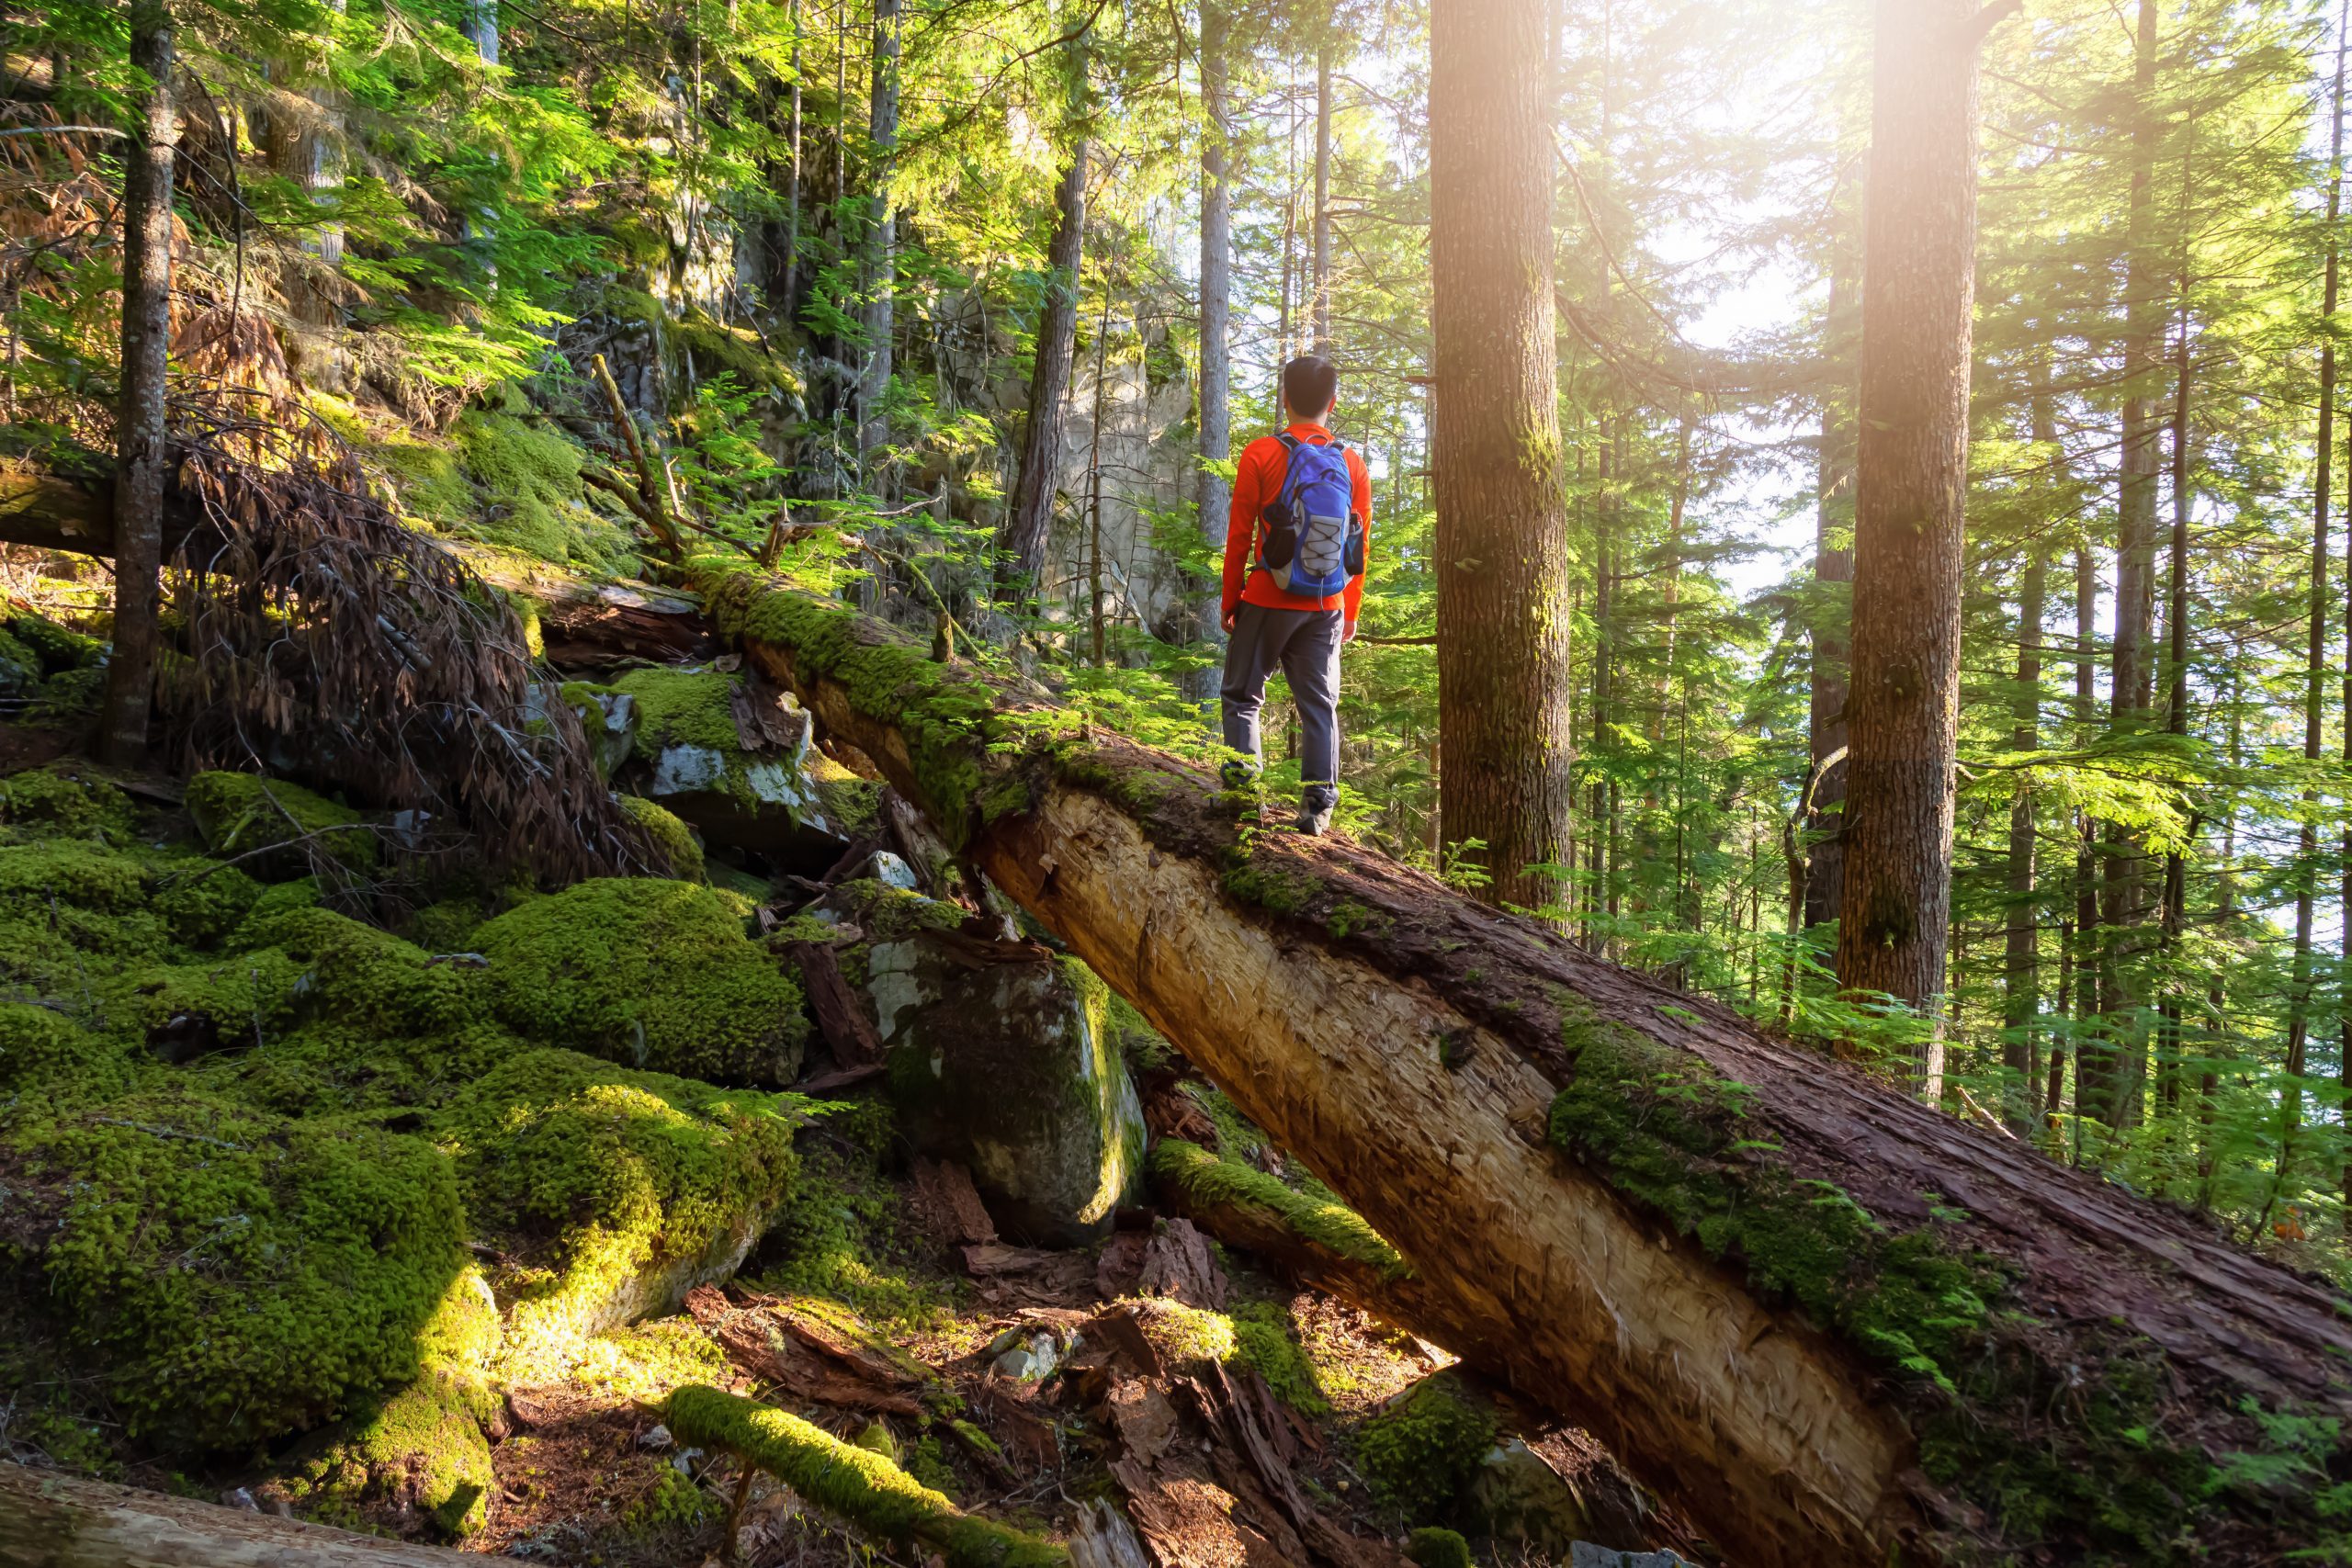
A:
(881, 238)
(2175, 892)
(1215, 496)
(2112, 1076)
(1833, 573)
(1321, 318)
(2314, 664)
(1095, 476)
(1919, 284)
(1503, 685)
(2021, 999)
(2086, 934)
(142, 453)
(792, 190)
(1029, 524)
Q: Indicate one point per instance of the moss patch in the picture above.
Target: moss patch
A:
(854, 1485)
(651, 973)
(1421, 1451)
(1206, 1180)
(672, 840)
(71, 798)
(239, 813)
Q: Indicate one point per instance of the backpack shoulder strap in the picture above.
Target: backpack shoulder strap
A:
(1290, 442)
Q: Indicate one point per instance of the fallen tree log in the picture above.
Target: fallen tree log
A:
(50, 1520)
(1833, 1324)
(581, 622)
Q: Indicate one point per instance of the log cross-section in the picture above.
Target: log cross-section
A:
(1833, 1324)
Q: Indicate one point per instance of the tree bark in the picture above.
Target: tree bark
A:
(1214, 495)
(1918, 285)
(141, 448)
(51, 1519)
(1689, 1238)
(881, 238)
(1028, 526)
(1504, 692)
(1833, 576)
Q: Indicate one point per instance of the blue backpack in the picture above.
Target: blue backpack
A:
(1312, 541)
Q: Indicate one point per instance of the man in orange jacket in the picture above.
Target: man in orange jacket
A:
(1276, 538)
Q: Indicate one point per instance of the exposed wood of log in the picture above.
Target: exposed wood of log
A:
(582, 623)
(48, 1519)
(1833, 1324)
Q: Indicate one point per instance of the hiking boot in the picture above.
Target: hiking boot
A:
(1315, 804)
(1237, 775)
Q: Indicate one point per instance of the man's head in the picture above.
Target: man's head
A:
(1310, 386)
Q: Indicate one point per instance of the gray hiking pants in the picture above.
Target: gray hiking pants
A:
(1305, 645)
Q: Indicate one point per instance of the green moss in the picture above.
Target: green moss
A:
(239, 813)
(1421, 1451)
(1207, 1181)
(447, 925)
(927, 1462)
(684, 708)
(531, 497)
(70, 799)
(652, 972)
(947, 716)
(862, 1489)
(202, 902)
(673, 841)
(229, 1274)
(39, 1043)
(595, 1174)
(72, 913)
(719, 349)
(1435, 1547)
(422, 1448)
(676, 1503)
(844, 1234)
(68, 698)
(1262, 1342)
(1278, 889)
(58, 649)
(852, 805)
(893, 914)
(19, 668)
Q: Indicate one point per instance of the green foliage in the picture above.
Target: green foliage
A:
(854, 1485)
(650, 972)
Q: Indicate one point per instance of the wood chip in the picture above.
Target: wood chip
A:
(949, 1205)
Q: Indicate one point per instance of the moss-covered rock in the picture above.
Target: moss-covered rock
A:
(71, 798)
(293, 829)
(692, 761)
(671, 837)
(650, 972)
(615, 1190)
(73, 913)
(1431, 1547)
(58, 649)
(1009, 1068)
(204, 902)
(1422, 1449)
(229, 1274)
(420, 1455)
(40, 1044)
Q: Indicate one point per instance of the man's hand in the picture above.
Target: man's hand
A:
(1229, 617)
(1348, 632)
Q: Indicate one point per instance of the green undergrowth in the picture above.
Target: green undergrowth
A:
(1254, 1335)
(845, 1234)
(947, 716)
(56, 673)
(1934, 1316)
(1211, 1182)
(651, 973)
(856, 1485)
(281, 826)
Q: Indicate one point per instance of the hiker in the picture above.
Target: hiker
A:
(1294, 579)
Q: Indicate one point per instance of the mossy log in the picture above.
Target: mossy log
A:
(1834, 1324)
(48, 1519)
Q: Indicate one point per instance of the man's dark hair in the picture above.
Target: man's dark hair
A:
(1310, 383)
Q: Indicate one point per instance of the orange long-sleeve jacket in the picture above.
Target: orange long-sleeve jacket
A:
(1257, 480)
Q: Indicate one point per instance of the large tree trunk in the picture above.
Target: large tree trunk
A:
(1215, 494)
(50, 1520)
(1029, 524)
(142, 450)
(881, 238)
(1832, 1323)
(1504, 692)
(1919, 284)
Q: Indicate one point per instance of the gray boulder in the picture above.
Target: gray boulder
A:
(998, 1058)
(1516, 1496)
(1584, 1554)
